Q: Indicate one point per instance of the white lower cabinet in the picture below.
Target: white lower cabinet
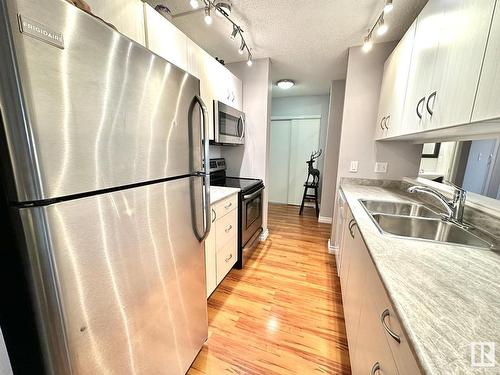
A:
(221, 245)
(377, 344)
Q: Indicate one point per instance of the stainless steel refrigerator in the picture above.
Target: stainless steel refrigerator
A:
(102, 159)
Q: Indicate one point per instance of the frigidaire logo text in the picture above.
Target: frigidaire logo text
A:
(39, 31)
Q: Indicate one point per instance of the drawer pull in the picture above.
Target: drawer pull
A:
(215, 215)
(419, 111)
(229, 228)
(375, 368)
(351, 225)
(384, 315)
(228, 206)
(433, 97)
(229, 258)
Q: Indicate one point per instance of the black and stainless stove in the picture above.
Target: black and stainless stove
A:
(249, 207)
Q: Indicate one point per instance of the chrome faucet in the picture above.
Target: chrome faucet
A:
(454, 207)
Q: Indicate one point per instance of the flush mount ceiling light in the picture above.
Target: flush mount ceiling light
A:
(285, 84)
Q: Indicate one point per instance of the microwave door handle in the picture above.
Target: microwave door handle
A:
(243, 125)
(205, 173)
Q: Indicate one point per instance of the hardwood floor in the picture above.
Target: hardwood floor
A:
(281, 314)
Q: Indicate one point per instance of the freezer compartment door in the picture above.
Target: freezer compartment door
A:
(119, 279)
(99, 112)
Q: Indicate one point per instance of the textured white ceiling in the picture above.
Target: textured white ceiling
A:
(306, 40)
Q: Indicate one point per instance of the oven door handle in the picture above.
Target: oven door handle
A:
(253, 195)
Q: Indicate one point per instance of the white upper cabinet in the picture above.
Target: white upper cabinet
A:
(125, 15)
(462, 35)
(422, 65)
(165, 39)
(393, 91)
(447, 56)
(487, 104)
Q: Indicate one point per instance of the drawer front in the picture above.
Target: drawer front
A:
(401, 351)
(226, 258)
(226, 228)
(225, 206)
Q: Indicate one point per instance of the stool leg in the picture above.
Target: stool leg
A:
(316, 200)
(303, 199)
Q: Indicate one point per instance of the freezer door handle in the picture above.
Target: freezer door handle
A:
(205, 173)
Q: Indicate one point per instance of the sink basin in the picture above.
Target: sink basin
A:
(427, 229)
(398, 208)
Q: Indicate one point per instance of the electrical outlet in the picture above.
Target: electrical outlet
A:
(381, 167)
(354, 166)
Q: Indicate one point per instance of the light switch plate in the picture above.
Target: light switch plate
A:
(381, 167)
(354, 166)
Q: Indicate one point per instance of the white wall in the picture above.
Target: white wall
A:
(363, 82)
(250, 160)
(331, 158)
(364, 78)
(5, 368)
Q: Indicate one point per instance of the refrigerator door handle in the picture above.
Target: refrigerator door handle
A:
(205, 173)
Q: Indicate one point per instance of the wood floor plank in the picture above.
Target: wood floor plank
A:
(282, 314)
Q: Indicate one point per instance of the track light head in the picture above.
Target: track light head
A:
(388, 6)
(208, 17)
(223, 8)
(249, 61)
(194, 4)
(235, 32)
(367, 44)
(382, 27)
(241, 50)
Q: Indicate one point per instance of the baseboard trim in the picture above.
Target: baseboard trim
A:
(331, 249)
(264, 235)
(324, 219)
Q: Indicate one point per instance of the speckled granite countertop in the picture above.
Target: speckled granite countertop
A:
(218, 193)
(446, 296)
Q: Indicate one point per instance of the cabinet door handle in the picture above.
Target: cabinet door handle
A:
(215, 215)
(395, 336)
(386, 122)
(227, 206)
(433, 96)
(229, 258)
(420, 102)
(352, 223)
(375, 368)
(382, 123)
(229, 228)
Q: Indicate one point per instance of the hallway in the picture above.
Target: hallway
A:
(282, 314)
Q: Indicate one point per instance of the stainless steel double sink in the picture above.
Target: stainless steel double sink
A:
(413, 220)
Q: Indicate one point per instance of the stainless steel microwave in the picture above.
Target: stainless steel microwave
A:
(229, 124)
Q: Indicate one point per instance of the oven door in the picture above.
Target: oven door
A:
(229, 124)
(251, 220)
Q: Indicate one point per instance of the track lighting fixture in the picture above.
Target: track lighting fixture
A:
(388, 6)
(223, 9)
(235, 32)
(208, 17)
(382, 27)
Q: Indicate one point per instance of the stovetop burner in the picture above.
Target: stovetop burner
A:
(218, 178)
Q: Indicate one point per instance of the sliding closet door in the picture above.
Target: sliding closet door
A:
(304, 140)
(279, 160)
